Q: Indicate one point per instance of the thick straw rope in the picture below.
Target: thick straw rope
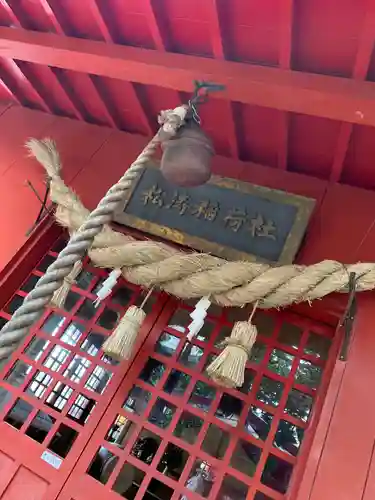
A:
(194, 275)
(94, 224)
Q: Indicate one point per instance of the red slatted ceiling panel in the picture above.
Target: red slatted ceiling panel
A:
(303, 35)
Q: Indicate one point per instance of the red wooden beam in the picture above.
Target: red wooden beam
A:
(318, 95)
(51, 16)
(361, 66)
(219, 53)
(9, 11)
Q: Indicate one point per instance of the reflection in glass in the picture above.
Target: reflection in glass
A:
(318, 345)
(39, 384)
(59, 396)
(232, 489)
(245, 457)
(18, 373)
(120, 431)
(137, 400)
(14, 304)
(53, 323)
(290, 335)
(40, 426)
(261, 496)
(5, 396)
(128, 481)
(280, 362)
(277, 473)
(45, 263)
(167, 344)
(162, 413)
(264, 322)
(224, 332)
(229, 409)
(71, 300)
(36, 348)
(102, 465)
(188, 427)
(81, 409)
(18, 414)
(201, 479)
(73, 333)
(177, 383)
(56, 358)
(122, 296)
(98, 380)
(146, 446)
(152, 371)
(180, 320)
(248, 382)
(257, 352)
(30, 283)
(308, 374)
(84, 280)
(77, 368)
(173, 461)
(288, 437)
(215, 442)
(190, 355)
(87, 310)
(299, 405)
(108, 319)
(270, 391)
(93, 343)
(63, 440)
(202, 396)
(157, 489)
(258, 423)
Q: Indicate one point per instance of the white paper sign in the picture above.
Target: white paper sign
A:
(51, 459)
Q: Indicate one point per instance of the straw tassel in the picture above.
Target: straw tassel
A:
(59, 297)
(120, 344)
(228, 369)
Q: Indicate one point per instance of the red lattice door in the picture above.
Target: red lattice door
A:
(58, 384)
(170, 433)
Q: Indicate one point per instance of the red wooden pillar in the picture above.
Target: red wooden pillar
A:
(344, 467)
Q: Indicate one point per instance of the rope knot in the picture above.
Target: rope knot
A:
(172, 119)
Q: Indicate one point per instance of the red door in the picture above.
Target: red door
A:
(170, 433)
(58, 384)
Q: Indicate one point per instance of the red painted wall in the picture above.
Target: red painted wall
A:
(341, 464)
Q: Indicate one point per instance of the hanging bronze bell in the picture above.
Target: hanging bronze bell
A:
(187, 157)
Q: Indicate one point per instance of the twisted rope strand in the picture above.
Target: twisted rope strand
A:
(87, 228)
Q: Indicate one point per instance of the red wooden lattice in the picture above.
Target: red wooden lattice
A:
(170, 433)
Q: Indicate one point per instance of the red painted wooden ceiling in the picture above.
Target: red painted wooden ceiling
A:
(290, 118)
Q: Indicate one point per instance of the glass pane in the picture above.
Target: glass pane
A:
(56, 358)
(122, 296)
(188, 427)
(102, 466)
(152, 371)
(270, 391)
(280, 362)
(128, 481)
(173, 461)
(229, 409)
(215, 442)
(71, 300)
(308, 374)
(177, 383)
(299, 405)
(232, 489)
(257, 352)
(288, 437)
(87, 310)
(81, 409)
(73, 333)
(167, 344)
(264, 323)
(36, 348)
(258, 423)
(14, 304)
(45, 263)
(39, 384)
(120, 431)
(202, 396)
(204, 333)
(137, 400)
(59, 396)
(224, 332)
(248, 383)
(59, 245)
(53, 323)
(30, 283)
(108, 319)
(19, 413)
(157, 490)
(149, 304)
(201, 478)
(18, 373)
(245, 457)
(63, 440)
(180, 320)
(162, 413)
(98, 380)
(93, 343)
(77, 368)
(5, 396)
(277, 473)
(40, 426)
(261, 496)
(290, 335)
(318, 346)
(3, 322)
(146, 446)
(190, 355)
(84, 280)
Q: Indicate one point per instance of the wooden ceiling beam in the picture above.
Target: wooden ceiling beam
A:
(317, 95)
